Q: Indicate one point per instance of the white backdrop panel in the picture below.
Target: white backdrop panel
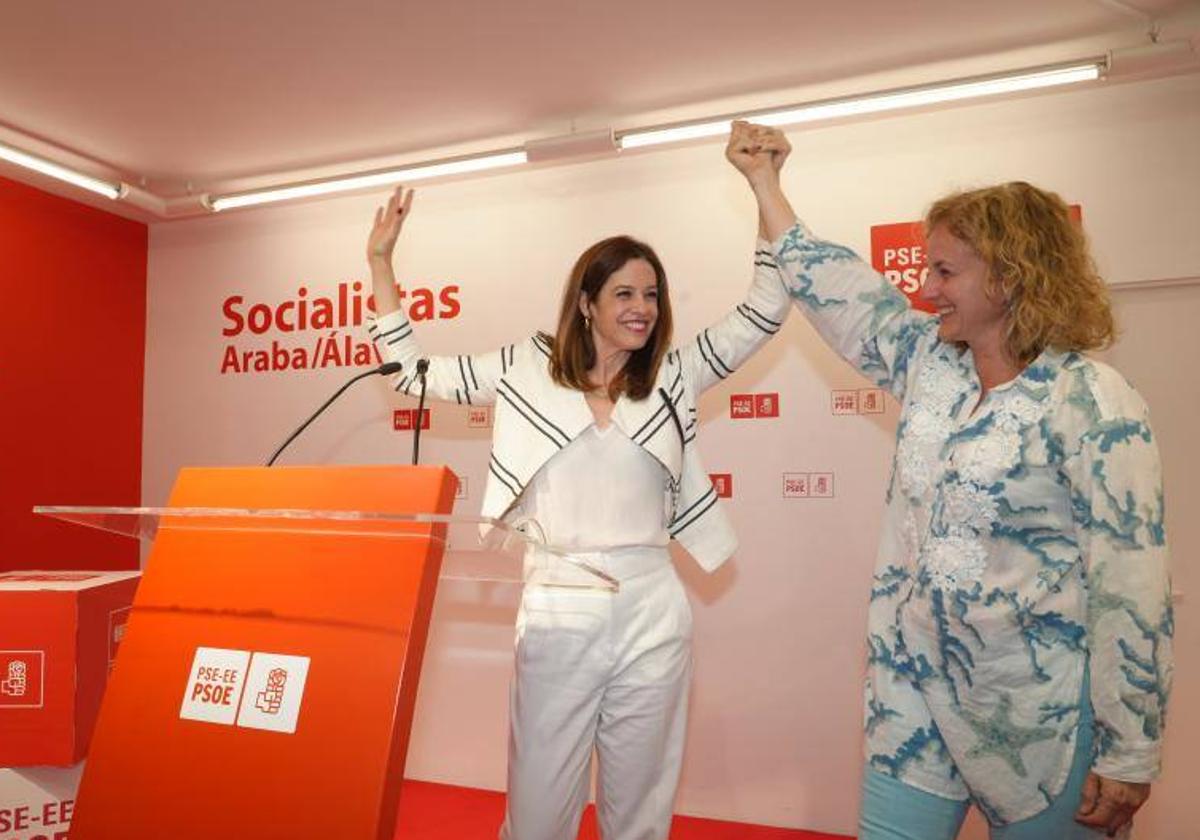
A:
(774, 730)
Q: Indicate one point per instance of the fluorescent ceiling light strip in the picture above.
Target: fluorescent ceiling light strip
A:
(849, 106)
(929, 96)
(371, 179)
(37, 164)
(874, 103)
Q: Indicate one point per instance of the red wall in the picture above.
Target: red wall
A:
(73, 281)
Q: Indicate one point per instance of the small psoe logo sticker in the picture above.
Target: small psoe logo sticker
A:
(246, 689)
(741, 406)
(270, 699)
(870, 400)
(766, 405)
(22, 675)
(749, 406)
(808, 485)
(844, 402)
(404, 419)
(723, 484)
(795, 486)
(17, 681)
(479, 418)
(861, 401)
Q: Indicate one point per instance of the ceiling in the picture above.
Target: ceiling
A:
(182, 96)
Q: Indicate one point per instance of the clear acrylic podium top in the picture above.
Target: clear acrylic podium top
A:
(477, 548)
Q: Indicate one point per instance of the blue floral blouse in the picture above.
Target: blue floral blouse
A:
(1022, 545)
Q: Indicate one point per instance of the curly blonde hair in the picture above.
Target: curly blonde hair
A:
(1039, 264)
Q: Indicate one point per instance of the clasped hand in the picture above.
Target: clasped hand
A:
(757, 151)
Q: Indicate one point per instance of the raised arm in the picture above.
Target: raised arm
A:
(720, 349)
(858, 313)
(381, 245)
(759, 152)
(467, 379)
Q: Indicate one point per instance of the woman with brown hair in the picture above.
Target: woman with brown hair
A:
(594, 438)
(1019, 631)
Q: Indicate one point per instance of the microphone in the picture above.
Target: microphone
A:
(422, 367)
(385, 369)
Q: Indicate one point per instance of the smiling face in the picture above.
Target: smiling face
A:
(625, 310)
(957, 285)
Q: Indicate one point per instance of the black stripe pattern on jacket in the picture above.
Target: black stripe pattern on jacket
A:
(505, 476)
(710, 356)
(535, 418)
(694, 511)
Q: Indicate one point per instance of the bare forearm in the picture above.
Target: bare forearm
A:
(383, 282)
(775, 214)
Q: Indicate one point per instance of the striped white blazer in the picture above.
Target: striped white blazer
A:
(535, 417)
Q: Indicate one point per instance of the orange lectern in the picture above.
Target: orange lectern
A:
(267, 678)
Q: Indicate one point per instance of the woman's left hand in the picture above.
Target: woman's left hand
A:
(388, 221)
(757, 150)
(775, 143)
(1109, 804)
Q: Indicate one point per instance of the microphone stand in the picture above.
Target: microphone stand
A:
(383, 370)
(422, 367)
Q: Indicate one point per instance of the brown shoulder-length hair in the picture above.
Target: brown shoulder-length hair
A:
(1039, 264)
(573, 352)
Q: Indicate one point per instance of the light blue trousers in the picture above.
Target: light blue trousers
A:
(892, 810)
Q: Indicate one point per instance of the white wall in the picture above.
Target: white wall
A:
(774, 731)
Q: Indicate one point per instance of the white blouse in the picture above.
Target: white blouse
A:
(602, 491)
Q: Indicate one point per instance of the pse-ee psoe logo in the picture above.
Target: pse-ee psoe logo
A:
(749, 406)
(246, 689)
(856, 401)
(22, 674)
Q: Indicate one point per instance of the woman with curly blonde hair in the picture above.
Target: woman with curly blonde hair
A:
(1040, 265)
(1019, 631)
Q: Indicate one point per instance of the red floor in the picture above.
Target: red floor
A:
(445, 812)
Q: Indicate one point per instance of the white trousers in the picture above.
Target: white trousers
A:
(603, 671)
